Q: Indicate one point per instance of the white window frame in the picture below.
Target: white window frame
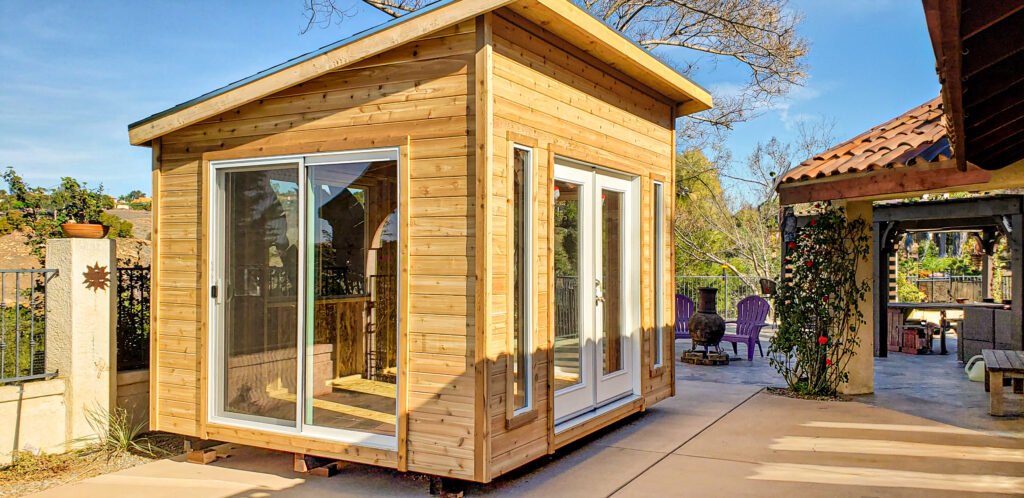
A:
(526, 299)
(215, 358)
(658, 197)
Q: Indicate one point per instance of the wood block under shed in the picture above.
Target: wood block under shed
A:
(200, 450)
(201, 457)
(317, 466)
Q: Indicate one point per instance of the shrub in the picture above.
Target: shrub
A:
(119, 229)
(819, 305)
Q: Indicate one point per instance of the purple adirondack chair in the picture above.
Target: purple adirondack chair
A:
(684, 310)
(751, 314)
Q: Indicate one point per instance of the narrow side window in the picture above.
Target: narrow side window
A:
(522, 346)
(659, 276)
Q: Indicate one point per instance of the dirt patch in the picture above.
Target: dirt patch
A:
(32, 473)
(15, 252)
(781, 391)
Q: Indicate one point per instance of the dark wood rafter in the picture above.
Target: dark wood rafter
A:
(992, 45)
(982, 14)
(979, 53)
(989, 218)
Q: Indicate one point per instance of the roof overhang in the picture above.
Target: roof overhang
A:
(561, 17)
(979, 54)
(889, 183)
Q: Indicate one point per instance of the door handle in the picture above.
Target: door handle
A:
(598, 293)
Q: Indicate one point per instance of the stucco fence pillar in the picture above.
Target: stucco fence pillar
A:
(862, 366)
(80, 329)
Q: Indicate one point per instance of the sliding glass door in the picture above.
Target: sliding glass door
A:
(305, 295)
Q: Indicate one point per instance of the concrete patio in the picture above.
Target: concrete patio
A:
(922, 433)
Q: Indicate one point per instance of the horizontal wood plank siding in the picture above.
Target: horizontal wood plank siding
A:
(545, 91)
(421, 90)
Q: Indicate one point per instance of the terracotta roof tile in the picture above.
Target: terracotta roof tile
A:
(916, 137)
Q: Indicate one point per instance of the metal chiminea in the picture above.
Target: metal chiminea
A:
(706, 329)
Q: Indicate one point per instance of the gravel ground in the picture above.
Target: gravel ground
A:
(37, 473)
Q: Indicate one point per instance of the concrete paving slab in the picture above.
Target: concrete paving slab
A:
(587, 471)
(671, 422)
(679, 475)
(851, 437)
(241, 471)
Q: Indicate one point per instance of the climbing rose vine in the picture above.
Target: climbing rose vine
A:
(818, 306)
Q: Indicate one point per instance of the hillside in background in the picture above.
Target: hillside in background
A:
(16, 254)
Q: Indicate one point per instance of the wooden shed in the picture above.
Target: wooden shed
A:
(441, 245)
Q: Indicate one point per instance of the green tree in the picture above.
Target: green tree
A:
(131, 196)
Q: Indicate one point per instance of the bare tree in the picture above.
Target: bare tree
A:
(742, 218)
(759, 35)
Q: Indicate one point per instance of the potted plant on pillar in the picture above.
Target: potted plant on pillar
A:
(79, 209)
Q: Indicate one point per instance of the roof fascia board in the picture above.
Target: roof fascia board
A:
(601, 41)
(885, 183)
(332, 57)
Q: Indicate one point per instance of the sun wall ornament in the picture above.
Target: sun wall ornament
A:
(96, 277)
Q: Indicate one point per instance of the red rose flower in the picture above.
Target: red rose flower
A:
(812, 222)
(823, 340)
(828, 363)
(825, 299)
(792, 245)
(809, 263)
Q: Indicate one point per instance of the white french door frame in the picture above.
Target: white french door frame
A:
(215, 337)
(615, 384)
(578, 398)
(595, 388)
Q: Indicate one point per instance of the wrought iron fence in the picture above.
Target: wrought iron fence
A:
(567, 302)
(953, 287)
(23, 325)
(132, 318)
(731, 289)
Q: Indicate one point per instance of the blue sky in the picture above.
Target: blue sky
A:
(74, 74)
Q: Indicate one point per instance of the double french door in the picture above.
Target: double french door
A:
(596, 287)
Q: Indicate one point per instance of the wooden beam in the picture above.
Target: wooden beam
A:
(1005, 113)
(943, 19)
(1000, 80)
(982, 14)
(940, 225)
(880, 234)
(1004, 154)
(483, 71)
(951, 209)
(937, 175)
(993, 44)
(997, 134)
(355, 51)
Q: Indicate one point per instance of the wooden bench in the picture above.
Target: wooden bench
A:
(1002, 364)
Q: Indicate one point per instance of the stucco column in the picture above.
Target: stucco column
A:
(862, 366)
(80, 327)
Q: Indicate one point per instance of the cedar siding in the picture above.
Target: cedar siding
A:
(453, 102)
